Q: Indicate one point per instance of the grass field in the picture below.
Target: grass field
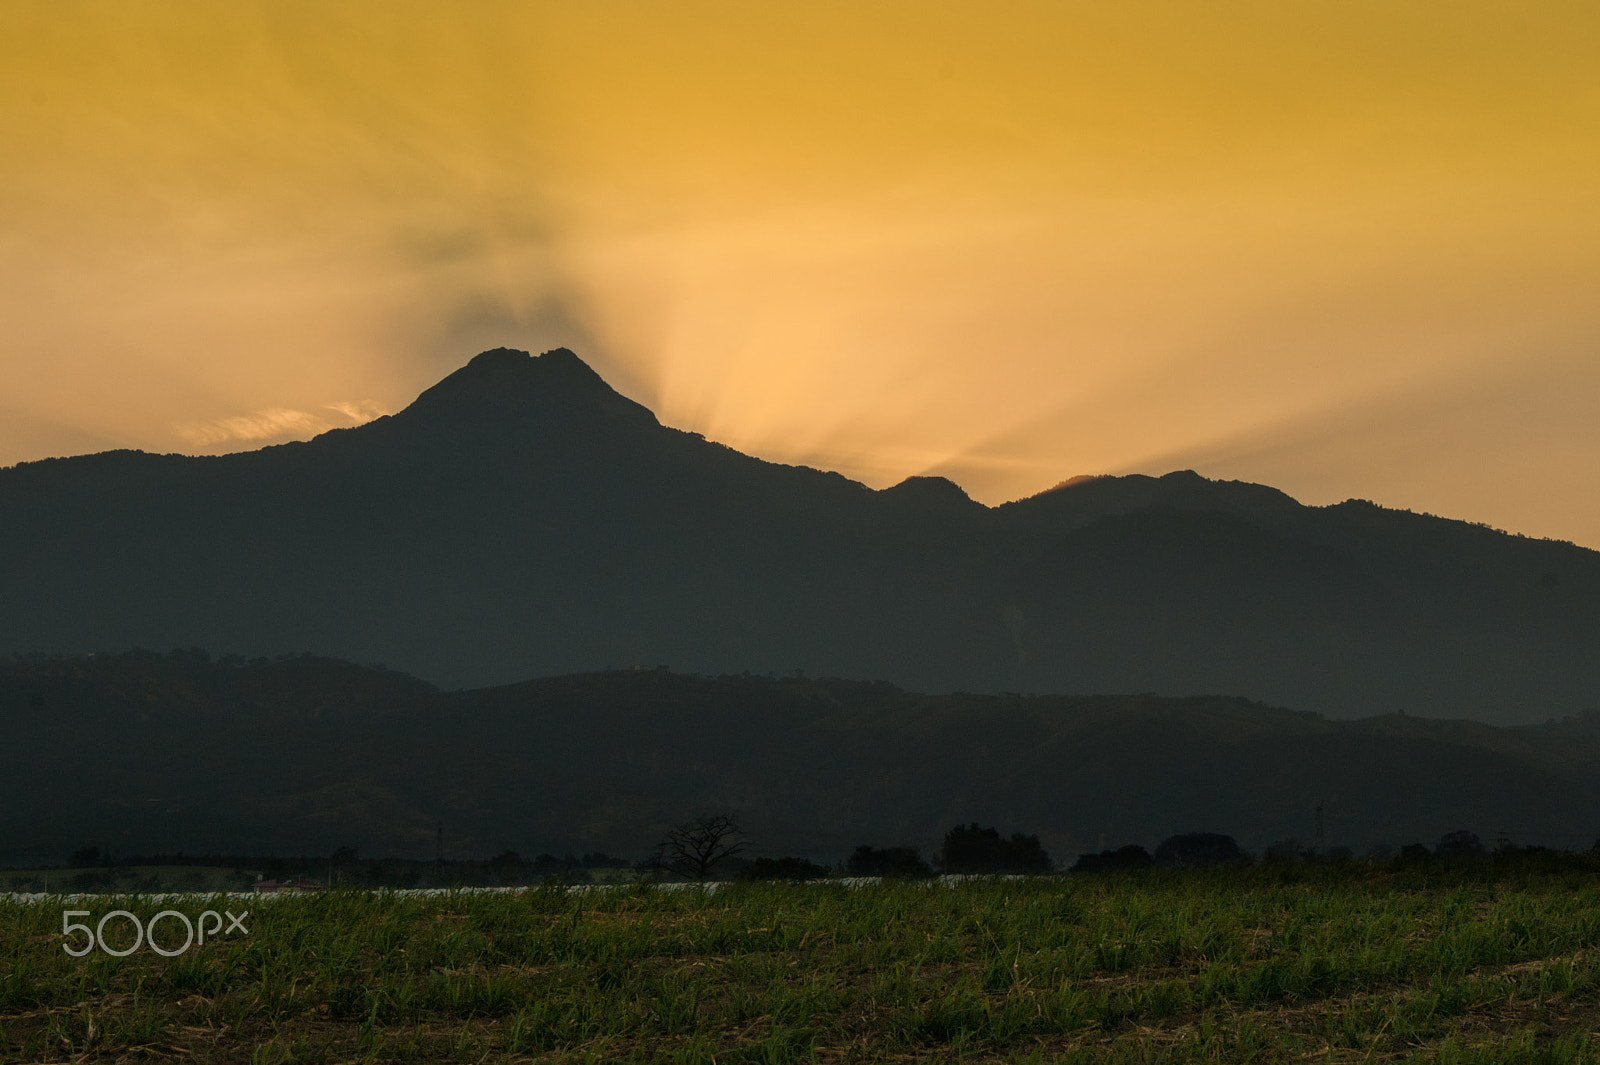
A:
(1475, 963)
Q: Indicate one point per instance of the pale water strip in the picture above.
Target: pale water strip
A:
(45, 897)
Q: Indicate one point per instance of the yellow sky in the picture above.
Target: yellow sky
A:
(1348, 249)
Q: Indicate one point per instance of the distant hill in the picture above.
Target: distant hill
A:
(521, 519)
(142, 753)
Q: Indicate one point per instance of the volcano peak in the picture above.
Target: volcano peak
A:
(504, 382)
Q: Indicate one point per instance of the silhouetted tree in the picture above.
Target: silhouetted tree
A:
(507, 867)
(694, 848)
(970, 849)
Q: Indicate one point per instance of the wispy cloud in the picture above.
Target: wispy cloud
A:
(279, 423)
(359, 411)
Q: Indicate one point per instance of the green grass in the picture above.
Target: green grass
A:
(1353, 964)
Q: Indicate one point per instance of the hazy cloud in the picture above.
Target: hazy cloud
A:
(277, 423)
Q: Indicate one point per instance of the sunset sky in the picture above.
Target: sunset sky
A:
(1348, 249)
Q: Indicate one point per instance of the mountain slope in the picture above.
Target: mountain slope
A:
(146, 753)
(521, 518)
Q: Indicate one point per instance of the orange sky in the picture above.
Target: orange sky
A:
(1346, 249)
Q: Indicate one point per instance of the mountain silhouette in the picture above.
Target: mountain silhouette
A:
(521, 518)
(302, 755)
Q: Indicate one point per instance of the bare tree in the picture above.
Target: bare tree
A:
(694, 847)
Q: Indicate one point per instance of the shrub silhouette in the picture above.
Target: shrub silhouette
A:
(1459, 844)
(507, 867)
(970, 849)
(1287, 852)
(1199, 848)
(899, 862)
(1131, 856)
(783, 869)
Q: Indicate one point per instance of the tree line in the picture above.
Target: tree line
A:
(715, 848)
